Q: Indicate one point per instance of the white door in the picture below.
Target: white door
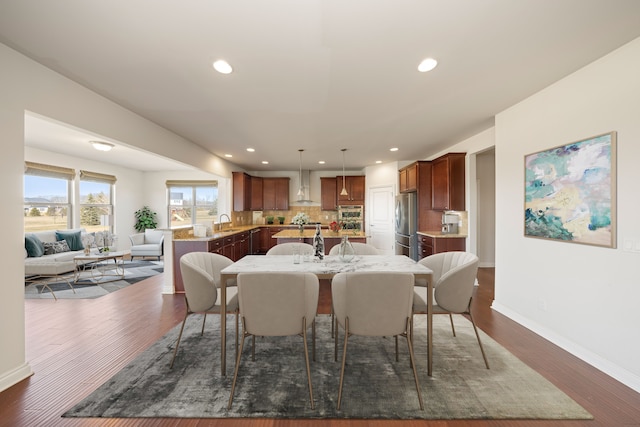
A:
(381, 220)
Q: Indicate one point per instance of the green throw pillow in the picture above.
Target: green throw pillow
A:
(33, 245)
(73, 238)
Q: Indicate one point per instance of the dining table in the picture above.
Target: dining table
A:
(324, 268)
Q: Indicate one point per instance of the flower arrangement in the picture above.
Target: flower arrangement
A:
(334, 226)
(301, 218)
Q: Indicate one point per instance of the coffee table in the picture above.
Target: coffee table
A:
(99, 266)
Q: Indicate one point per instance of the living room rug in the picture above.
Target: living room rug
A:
(375, 385)
(86, 288)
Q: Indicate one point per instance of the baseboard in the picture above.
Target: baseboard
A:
(620, 374)
(486, 264)
(15, 376)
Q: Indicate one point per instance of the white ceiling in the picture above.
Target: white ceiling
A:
(317, 74)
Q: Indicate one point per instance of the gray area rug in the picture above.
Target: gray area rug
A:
(86, 288)
(375, 387)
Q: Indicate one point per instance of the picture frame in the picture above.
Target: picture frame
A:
(570, 192)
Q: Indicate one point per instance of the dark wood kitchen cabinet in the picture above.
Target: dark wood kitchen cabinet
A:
(428, 245)
(256, 193)
(328, 194)
(275, 194)
(355, 190)
(447, 182)
(241, 191)
(409, 178)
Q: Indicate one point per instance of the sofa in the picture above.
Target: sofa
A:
(49, 254)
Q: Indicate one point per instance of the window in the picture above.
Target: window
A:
(47, 191)
(96, 201)
(192, 202)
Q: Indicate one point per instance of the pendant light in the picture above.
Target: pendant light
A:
(344, 188)
(301, 188)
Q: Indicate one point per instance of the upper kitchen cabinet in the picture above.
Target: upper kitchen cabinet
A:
(355, 190)
(256, 193)
(328, 194)
(241, 191)
(275, 194)
(410, 176)
(447, 181)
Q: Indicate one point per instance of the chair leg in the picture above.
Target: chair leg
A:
(313, 339)
(344, 359)
(235, 373)
(237, 314)
(204, 320)
(253, 346)
(413, 365)
(452, 328)
(175, 351)
(397, 357)
(475, 329)
(334, 334)
(306, 359)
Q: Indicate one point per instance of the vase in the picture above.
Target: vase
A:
(346, 251)
(301, 228)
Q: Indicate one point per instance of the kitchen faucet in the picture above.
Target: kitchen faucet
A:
(220, 219)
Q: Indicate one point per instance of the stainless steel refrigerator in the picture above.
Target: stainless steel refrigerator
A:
(407, 225)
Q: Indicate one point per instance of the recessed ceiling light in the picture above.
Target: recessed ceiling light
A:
(264, 162)
(427, 65)
(393, 149)
(322, 162)
(378, 162)
(222, 67)
(251, 150)
(228, 155)
(101, 145)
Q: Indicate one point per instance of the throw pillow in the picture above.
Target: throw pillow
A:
(33, 245)
(73, 239)
(51, 248)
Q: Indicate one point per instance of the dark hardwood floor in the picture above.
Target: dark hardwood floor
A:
(74, 346)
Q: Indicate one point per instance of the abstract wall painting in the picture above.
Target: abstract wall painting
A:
(570, 192)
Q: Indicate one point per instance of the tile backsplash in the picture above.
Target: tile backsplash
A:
(314, 212)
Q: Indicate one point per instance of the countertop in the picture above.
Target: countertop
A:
(439, 234)
(291, 229)
(309, 233)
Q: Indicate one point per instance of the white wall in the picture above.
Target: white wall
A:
(28, 86)
(486, 207)
(583, 298)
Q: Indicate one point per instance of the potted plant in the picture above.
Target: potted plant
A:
(269, 219)
(145, 218)
(281, 219)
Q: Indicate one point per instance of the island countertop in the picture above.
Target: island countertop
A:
(439, 234)
(309, 233)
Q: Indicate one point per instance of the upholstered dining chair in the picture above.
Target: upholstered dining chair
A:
(374, 304)
(201, 277)
(454, 276)
(289, 247)
(358, 248)
(276, 305)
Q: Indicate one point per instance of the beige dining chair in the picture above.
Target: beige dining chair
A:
(201, 277)
(277, 305)
(374, 304)
(358, 249)
(454, 276)
(289, 247)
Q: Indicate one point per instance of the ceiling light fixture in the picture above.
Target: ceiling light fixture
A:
(251, 150)
(264, 162)
(101, 145)
(228, 155)
(393, 149)
(427, 65)
(344, 187)
(222, 67)
(301, 188)
(322, 162)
